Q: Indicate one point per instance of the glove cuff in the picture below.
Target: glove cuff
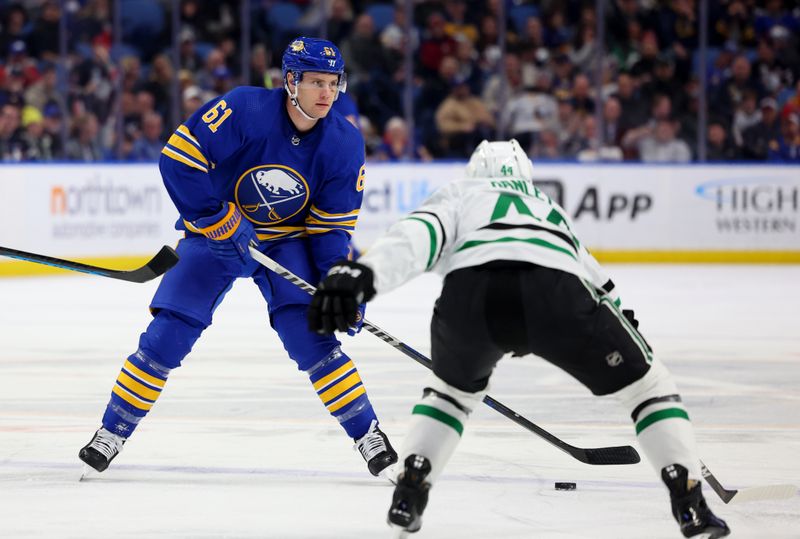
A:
(219, 226)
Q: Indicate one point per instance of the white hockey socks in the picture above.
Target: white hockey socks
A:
(662, 424)
(437, 423)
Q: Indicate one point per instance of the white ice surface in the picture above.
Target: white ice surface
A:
(239, 445)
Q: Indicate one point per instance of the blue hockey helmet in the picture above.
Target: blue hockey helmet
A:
(313, 54)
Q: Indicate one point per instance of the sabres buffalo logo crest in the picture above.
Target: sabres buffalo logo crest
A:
(270, 194)
(298, 46)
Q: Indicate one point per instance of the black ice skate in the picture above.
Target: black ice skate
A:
(689, 507)
(102, 449)
(374, 446)
(410, 495)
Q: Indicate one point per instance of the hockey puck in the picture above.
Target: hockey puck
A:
(565, 486)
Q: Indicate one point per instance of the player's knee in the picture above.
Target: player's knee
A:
(170, 337)
(656, 382)
(303, 346)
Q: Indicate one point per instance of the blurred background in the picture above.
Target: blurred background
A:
(576, 80)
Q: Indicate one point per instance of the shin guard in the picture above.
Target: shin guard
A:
(661, 421)
(437, 423)
(339, 387)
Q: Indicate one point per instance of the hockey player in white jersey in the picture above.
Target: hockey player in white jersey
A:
(516, 279)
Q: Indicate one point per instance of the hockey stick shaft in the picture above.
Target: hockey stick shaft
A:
(597, 456)
(767, 492)
(158, 265)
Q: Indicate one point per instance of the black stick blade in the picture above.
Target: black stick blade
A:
(623, 454)
(158, 265)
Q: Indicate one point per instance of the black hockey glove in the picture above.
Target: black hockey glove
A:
(335, 304)
(628, 313)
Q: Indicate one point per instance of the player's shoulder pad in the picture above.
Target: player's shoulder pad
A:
(343, 135)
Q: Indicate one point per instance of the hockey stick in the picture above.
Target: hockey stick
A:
(767, 492)
(158, 265)
(600, 455)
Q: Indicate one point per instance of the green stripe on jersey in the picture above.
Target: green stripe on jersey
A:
(435, 413)
(658, 416)
(534, 241)
(432, 233)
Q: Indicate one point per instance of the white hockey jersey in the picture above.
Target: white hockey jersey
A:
(472, 221)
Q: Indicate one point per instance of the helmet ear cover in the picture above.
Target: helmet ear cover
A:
(500, 159)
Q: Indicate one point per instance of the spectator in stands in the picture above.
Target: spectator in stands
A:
(396, 142)
(52, 124)
(340, 20)
(205, 77)
(719, 147)
(259, 66)
(148, 147)
(503, 86)
(42, 146)
(732, 91)
(548, 146)
(463, 121)
(15, 27)
(14, 88)
(362, 50)
(193, 99)
(757, 139)
(13, 146)
(84, 141)
(747, 115)
(658, 143)
(630, 102)
(92, 19)
(19, 60)
(582, 98)
(45, 89)
(569, 123)
(529, 113)
(786, 148)
(189, 57)
(435, 45)
(43, 39)
(456, 21)
(91, 81)
(613, 129)
(397, 35)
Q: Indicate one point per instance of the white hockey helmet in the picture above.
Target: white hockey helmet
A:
(501, 159)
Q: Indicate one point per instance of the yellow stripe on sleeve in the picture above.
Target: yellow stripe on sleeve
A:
(137, 388)
(325, 214)
(139, 373)
(183, 130)
(340, 388)
(183, 145)
(347, 399)
(325, 380)
(172, 154)
(130, 399)
(314, 221)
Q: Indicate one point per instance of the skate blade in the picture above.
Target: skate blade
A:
(87, 473)
(389, 474)
(399, 533)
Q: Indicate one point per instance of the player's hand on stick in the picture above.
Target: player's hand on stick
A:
(228, 233)
(337, 303)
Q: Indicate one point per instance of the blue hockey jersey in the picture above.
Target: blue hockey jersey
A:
(243, 148)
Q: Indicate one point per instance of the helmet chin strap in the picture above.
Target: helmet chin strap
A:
(295, 101)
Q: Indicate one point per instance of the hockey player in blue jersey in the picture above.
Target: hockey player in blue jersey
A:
(276, 168)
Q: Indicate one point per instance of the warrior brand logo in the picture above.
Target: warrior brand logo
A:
(754, 205)
(345, 270)
(614, 359)
(269, 194)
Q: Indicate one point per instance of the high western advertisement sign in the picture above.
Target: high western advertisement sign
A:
(677, 213)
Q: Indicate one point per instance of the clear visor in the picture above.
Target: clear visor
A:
(311, 82)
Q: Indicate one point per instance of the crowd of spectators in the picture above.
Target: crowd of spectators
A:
(107, 102)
